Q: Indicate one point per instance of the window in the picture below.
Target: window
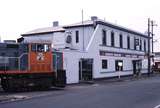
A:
(77, 36)
(46, 48)
(145, 45)
(104, 42)
(121, 41)
(104, 64)
(136, 43)
(128, 42)
(40, 47)
(140, 45)
(33, 47)
(112, 38)
(119, 65)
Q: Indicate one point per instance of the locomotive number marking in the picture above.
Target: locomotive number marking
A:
(40, 57)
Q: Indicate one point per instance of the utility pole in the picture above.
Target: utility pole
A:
(149, 59)
(152, 25)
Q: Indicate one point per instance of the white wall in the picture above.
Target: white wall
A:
(95, 47)
(88, 31)
(41, 37)
(58, 40)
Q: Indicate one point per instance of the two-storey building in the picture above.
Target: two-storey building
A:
(96, 49)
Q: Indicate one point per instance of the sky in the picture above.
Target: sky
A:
(20, 16)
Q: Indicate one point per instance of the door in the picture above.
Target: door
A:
(134, 67)
(137, 66)
(86, 69)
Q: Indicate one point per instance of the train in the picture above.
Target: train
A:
(30, 65)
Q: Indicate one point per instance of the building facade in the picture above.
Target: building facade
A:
(96, 49)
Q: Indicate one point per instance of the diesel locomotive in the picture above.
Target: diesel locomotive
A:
(26, 65)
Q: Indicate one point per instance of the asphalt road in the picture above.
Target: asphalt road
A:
(128, 94)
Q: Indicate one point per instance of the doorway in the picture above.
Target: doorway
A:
(137, 66)
(86, 69)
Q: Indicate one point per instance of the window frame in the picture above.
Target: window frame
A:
(36, 47)
(104, 37)
(118, 68)
(140, 45)
(135, 47)
(104, 64)
(77, 36)
(128, 42)
(112, 39)
(120, 40)
(144, 46)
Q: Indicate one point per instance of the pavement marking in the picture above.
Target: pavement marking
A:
(158, 106)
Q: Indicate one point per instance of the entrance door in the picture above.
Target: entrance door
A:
(137, 65)
(85, 69)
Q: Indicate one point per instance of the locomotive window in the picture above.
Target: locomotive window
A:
(46, 48)
(12, 46)
(40, 47)
(33, 47)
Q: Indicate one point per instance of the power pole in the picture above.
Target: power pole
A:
(149, 59)
(152, 25)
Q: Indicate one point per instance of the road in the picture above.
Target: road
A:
(144, 93)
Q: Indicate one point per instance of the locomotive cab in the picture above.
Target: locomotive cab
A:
(40, 58)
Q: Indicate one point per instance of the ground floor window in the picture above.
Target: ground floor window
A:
(119, 65)
(104, 64)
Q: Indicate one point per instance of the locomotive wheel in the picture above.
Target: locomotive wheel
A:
(6, 85)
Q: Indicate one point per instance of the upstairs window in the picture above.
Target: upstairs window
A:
(140, 45)
(145, 45)
(120, 41)
(104, 41)
(77, 36)
(112, 39)
(128, 42)
(134, 44)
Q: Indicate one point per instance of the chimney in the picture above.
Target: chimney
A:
(94, 18)
(55, 24)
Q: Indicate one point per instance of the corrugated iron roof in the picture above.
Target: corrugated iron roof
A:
(44, 30)
(84, 23)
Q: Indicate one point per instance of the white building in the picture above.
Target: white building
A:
(96, 49)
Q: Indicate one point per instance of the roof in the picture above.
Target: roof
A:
(44, 30)
(79, 24)
(102, 22)
(82, 24)
(121, 28)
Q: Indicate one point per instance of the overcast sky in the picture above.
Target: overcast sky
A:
(20, 16)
